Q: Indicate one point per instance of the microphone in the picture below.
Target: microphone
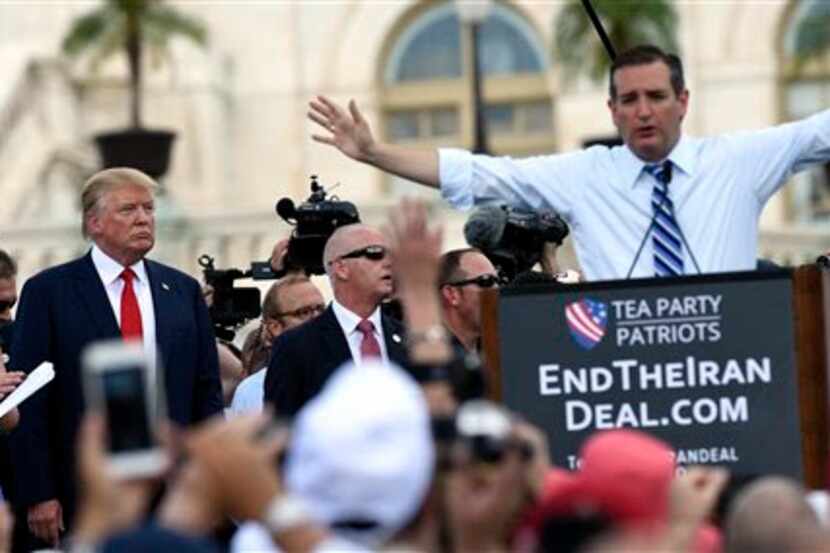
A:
(286, 209)
(485, 227)
(668, 168)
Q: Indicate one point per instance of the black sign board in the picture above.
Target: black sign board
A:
(706, 364)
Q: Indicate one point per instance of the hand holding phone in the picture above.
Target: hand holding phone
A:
(120, 383)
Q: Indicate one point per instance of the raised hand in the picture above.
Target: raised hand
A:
(237, 464)
(278, 253)
(416, 247)
(348, 130)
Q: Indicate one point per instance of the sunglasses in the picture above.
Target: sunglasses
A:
(483, 281)
(375, 253)
(7, 304)
(304, 312)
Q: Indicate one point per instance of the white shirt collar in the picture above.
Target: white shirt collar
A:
(349, 321)
(110, 270)
(682, 156)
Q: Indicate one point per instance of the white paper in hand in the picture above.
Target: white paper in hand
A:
(36, 380)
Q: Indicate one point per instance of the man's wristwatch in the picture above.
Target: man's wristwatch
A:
(433, 334)
(285, 512)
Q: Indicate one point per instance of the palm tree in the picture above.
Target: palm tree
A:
(127, 26)
(627, 23)
(812, 32)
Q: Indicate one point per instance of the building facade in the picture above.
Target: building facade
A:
(239, 108)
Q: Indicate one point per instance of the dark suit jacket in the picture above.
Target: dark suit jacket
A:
(62, 310)
(303, 358)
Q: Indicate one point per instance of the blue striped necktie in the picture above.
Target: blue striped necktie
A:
(665, 236)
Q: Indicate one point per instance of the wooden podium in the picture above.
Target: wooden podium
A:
(810, 288)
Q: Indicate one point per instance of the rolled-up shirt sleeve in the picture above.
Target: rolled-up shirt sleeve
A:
(551, 182)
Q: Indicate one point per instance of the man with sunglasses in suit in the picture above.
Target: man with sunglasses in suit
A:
(352, 327)
(462, 275)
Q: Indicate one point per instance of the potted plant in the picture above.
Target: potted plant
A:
(128, 26)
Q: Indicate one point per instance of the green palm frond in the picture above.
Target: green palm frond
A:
(627, 23)
(103, 32)
(86, 31)
(812, 33)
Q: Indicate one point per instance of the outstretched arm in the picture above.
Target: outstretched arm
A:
(350, 133)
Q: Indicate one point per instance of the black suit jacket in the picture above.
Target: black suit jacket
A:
(303, 358)
(61, 311)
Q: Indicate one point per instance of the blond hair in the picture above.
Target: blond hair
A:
(102, 182)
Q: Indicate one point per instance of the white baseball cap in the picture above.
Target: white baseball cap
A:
(361, 455)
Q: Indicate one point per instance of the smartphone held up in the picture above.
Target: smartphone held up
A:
(120, 382)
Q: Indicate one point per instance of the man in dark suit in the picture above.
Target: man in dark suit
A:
(462, 275)
(352, 327)
(110, 292)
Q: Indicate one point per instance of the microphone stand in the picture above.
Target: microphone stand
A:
(667, 169)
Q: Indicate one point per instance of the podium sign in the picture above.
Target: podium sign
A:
(706, 364)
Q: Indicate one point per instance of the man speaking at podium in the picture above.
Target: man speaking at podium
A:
(663, 204)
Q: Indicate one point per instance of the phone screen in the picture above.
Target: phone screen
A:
(125, 395)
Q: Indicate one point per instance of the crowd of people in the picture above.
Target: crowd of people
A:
(341, 428)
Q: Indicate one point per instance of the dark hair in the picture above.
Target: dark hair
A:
(644, 55)
(8, 268)
(450, 263)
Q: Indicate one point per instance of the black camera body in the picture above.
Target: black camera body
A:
(513, 240)
(314, 221)
(525, 235)
(232, 306)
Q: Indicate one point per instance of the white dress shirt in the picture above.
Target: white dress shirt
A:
(348, 323)
(719, 187)
(110, 271)
(247, 399)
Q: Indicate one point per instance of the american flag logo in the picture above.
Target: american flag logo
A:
(586, 321)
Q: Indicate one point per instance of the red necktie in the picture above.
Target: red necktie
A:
(369, 347)
(130, 313)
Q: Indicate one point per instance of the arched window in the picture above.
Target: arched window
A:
(427, 96)
(806, 90)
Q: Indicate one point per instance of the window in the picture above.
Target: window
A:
(806, 90)
(427, 94)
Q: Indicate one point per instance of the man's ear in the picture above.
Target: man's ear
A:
(449, 295)
(612, 108)
(92, 222)
(341, 270)
(683, 98)
(279, 328)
